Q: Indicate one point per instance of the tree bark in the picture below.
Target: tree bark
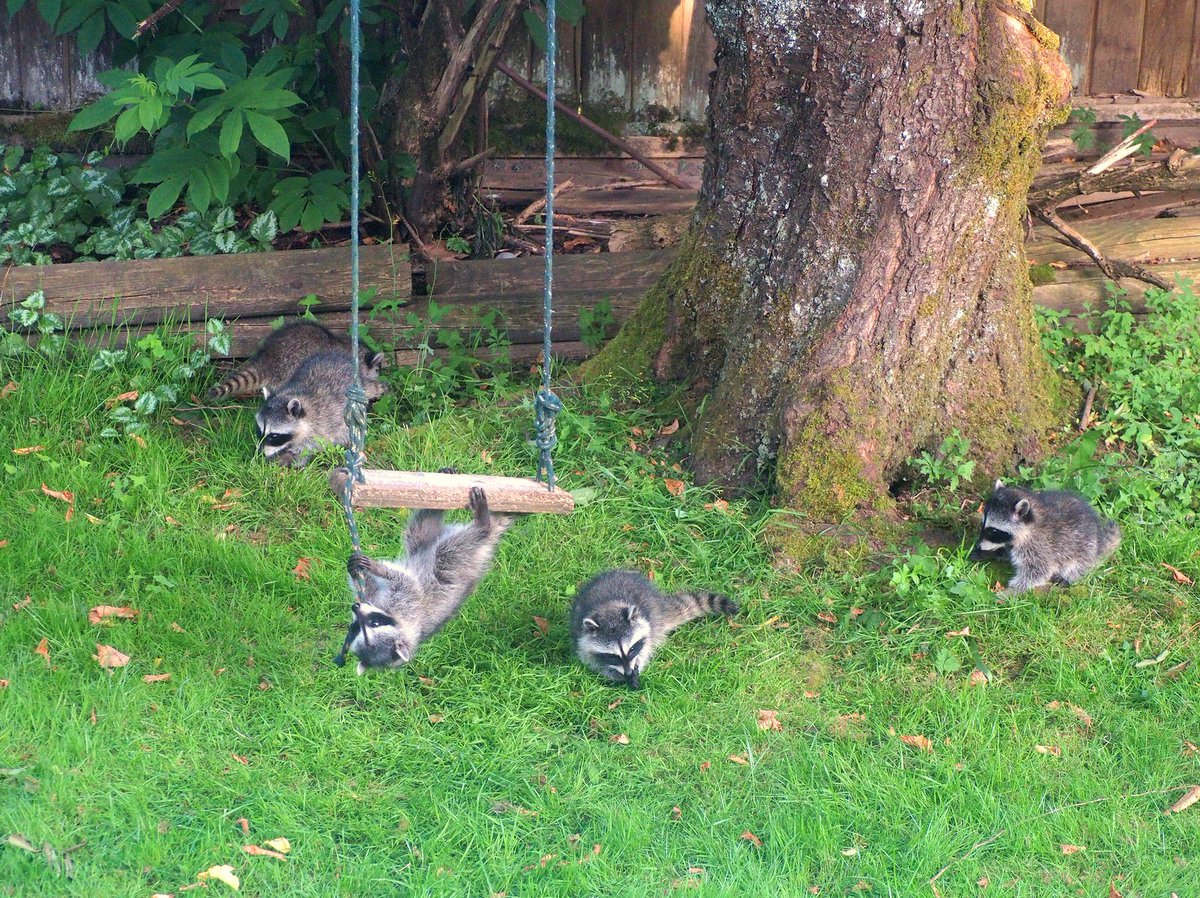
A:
(853, 286)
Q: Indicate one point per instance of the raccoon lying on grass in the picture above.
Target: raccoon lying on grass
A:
(619, 619)
(1048, 536)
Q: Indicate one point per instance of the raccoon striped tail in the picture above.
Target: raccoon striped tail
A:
(685, 606)
(1110, 538)
(243, 381)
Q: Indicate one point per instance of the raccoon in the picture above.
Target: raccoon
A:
(620, 618)
(278, 357)
(408, 600)
(1050, 536)
(310, 408)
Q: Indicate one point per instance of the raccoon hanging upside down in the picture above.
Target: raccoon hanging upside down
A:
(280, 354)
(619, 619)
(1049, 536)
(408, 600)
(309, 410)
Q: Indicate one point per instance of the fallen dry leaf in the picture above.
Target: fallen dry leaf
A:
(486, 457)
(982, 882)
(808, 693)
(241, 759)
(719, 505)
(828, 616)
(1190, 749)
(619, 738)
(1180, 576)
(156, 678)
(1084, 717)
(752, 839)
(28, 450)
(1113, 893)
(92, 717)
(223, 872)
(697, 870)
(542, 624)
(674, 487)
(738, 759)
(855, 612)
(43, 649)
(19, 841)
(244, 824)
(977, 678)
(1190, 797)
(3, 543)
(107, 656)
(436, 718)
(282, 845)
(1072, 849)
(301, 569)
(176, 627)
(676, 813)
(705, 765)
(64, 496)
(850, 852)
(965, 631)
(8, 389)
(615, 704)
(3, 684)
(921, 742)
(100, 612)
(669, 429)
(23, 604)
(263, 852)
(1048, 750)
(769, 720)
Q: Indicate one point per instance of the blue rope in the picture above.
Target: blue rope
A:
(546, 404)
(356, 397)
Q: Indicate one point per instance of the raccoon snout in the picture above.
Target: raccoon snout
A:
(634, 681)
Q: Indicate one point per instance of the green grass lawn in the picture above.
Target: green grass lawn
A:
(491, 765)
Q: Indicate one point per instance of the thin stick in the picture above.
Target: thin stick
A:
(1050, 813)
(1113, 269)
(470, 162)
(1124, 149)
(1087, 409)
(422, 249)
(539, 204)
(153, 19)
(623, 146)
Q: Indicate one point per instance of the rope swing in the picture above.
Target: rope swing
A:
(359, 487)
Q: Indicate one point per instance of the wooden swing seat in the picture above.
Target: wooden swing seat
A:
(418, 489)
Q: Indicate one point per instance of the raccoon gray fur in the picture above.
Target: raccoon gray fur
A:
(1048, 536)
(619, 619)
(309, 409)
(408, 600)
(282, 352)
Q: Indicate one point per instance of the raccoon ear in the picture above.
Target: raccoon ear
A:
(1024, 510)
(631, 613)
(402, 652)
(266, 392)
(296, 408)
(375, 362)
(999, 484)
(591, 625)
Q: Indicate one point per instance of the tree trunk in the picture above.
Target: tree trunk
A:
(853, 286)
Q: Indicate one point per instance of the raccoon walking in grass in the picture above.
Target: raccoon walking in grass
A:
(408, 600)
(619, 619)
(1048, 536)
(309, 409)
(280, 354)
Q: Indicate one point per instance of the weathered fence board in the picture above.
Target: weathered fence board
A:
(1118, 48)
(87, 294)
(1165, 58)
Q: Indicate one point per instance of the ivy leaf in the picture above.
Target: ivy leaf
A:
(268, 132)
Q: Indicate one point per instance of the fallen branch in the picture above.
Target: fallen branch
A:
(611, 138)
(1123, 150)
(153, 19)
(1087, 408)
(422, 249)
(1114, 269)
(469, 163)
(539, 204)
(1179, 171)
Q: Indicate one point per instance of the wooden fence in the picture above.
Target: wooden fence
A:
(658, 53)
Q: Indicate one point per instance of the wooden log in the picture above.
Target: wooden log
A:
(1176, 239)
(418, 489)
(614, 274)
(151, 291)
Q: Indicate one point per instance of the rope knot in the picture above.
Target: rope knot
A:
(356, 423)
(546, 408)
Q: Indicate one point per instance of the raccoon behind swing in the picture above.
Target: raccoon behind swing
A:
(619, 619)
(310, 408)
(279, 356)
(1048, 536)
(408, 600)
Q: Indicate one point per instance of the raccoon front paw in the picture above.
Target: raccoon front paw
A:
(477, 502)
(358, 564)
(447, 470)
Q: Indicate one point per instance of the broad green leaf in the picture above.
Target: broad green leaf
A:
(199, 191)
(326, 19)
(570, 11)
(74, 15)
(49, 10)
(218, 178)
(231, 133)
(163, 197)
(123, 20)
(90, 33)
(149, 113)
(269, 133)
(14, 6)
(209, 81)
(128, 124)
(280, 25)
(311, 219)
(206, 113)
(93, 115)
(275, 98)
(536, 27)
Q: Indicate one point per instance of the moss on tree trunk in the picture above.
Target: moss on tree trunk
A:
(853, 286)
